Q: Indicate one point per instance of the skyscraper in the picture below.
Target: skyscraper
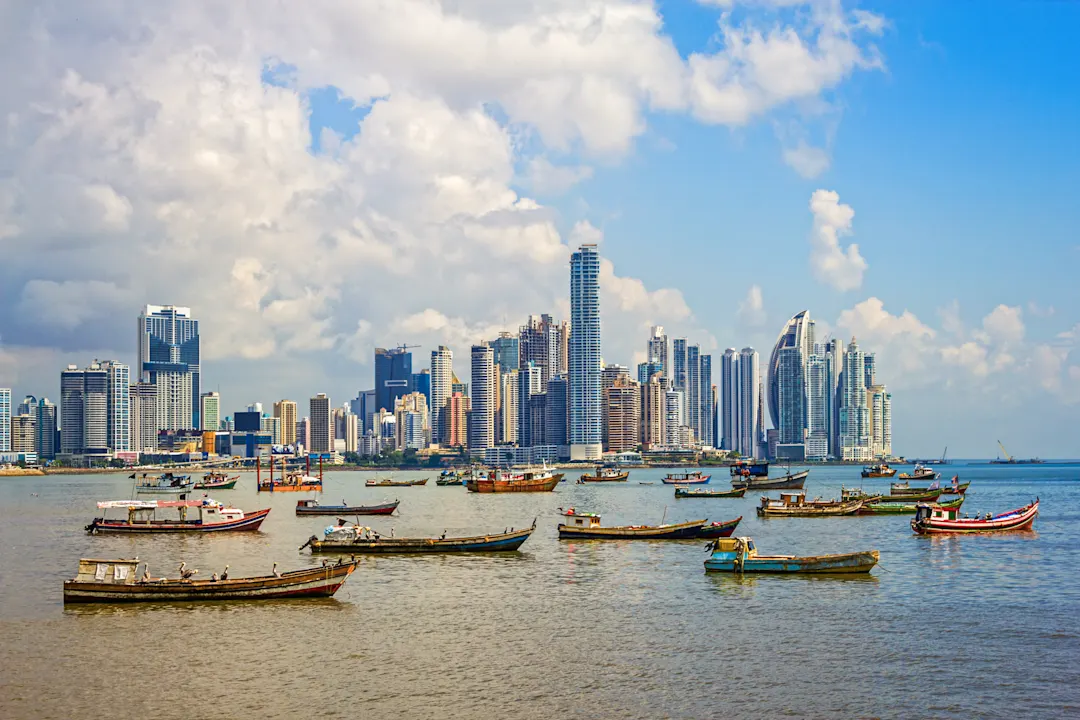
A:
(622, 408)
(557, 415)
(457, 411)
(797, 333)
(585, 397)
(792, 402)
(692, 390)
(118, 411)
(363, 406)
(169, 358)
(817, 406)
(749, 404)
(834, 367)
(529, 384)
(507, 352)
(678, 364)
(142, 404)
(483, 380)
(393, 376)
(421, 383)
(657, 350)
(854, 413)
(654, 412)
(541, 342)
(210, 410)
(730, 401)
(320, 426)
(46, 429)
(442, 379)
(673, 415)
(881, 421)
(5, 419)
(411, 421)
(24, 433)
(509, 411)
(869, 369)
(647, 369)
(706, 401)
(285, 410)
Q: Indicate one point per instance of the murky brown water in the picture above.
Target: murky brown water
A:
(949, 627)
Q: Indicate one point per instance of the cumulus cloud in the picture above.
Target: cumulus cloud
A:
(1004, 324)
(842, 268)
(807, 160)
(751, 311)
(544, 178)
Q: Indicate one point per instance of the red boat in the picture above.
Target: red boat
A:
(938, 520)
(142, 517)
(719, 529)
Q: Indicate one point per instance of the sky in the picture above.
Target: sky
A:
(315, 180)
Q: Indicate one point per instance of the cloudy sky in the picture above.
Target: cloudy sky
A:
(317, 179)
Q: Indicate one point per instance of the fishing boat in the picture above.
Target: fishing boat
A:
(689, 492)
(605, 474)
(849, 494)
(750, 468)
(313, 507)
(915, 495)
(115, 581)
(527, 480)
(294, 481)
(586, 526)
(796, 505)
(360, 540)
(164, 484)
(142, 517)
(881, 470)
(390, 482)
(450, 476)
(920, 473)
(793, 481)
(929, 492)
(695, 477)
(447, 481)
(739, 555)
(932, 519)
(893, 507)
(217, 481)
(718, 529)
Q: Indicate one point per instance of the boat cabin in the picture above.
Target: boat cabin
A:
(787, 499)
(581, 519)
(730, 548)
(111, 572)
(145, 511)
(924, 511)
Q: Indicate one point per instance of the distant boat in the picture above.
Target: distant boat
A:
(796, 505)
(1010, 460)
(794, 481)
(878, 471)
(937, 520)
(739, 555)
(896, 507)
(920, 473)
(695, 477)
(313, 507)
(390, 482)
(605, 474)
(357, 540)
(750, 468)
(165, 484)
(217, 481)
(586, 526)
(689, 492)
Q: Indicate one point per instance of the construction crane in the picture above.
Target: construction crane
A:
(403, 346)
(1005, 452)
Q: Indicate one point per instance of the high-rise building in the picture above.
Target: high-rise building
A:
(557, 415)
(320, 426)
(749, 403)
(881, 421)
(5, 419)
(393, 376)
(646, 370)
(303, 432)
(585, 350)
(657, 351)
(540, 342)
(95, 409)
(271, 426)
(834, 367)
(142, 403)
(507, 349)
(411, 421)
(483, 380)
(529, 384)
(673, 415)
(363, 406)
(509, 411)
(654, 412)
(27, 407)
(169, 358)
(792, 400)
(869, 369)
(118, 410)
(622, 410)
(457, 413)
(421, 383)
(210, 410)
(562, 347)
(352, 432)
(46, 429)
(23, 433)
(678, 365)
(707, 401)
(442, 379)
(285, 410)
(798, 334)
(692, 391)
(608, 376)
(854, 413)
(730, 401)
(817, 406)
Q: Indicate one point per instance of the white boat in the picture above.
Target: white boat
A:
(165, 484)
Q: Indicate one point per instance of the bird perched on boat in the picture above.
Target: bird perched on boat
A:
(146, 573)
(186, 574)
(225, 573)
(214, 578)
(276, 573)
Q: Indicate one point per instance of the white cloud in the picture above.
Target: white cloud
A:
(546, 179)
(1004, 324)
(950, 318)
(833, 264)
(807, 160)
(751, 311)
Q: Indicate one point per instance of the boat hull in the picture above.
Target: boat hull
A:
(179, 490)
(314, 582)
(681, 531)
(620, 477)
(276, 487)
(484, 485)
(250, 522)
(1018, 520)
(403, 483)
(884, 507)
(886, 474)
(682, 492)
(504, 542)
(718, 530)
(701, 480)
(227, 485)
(860, 562)
(795, 481)
(837, 510)
(384, 509)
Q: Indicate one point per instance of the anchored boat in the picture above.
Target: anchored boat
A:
(216, 481)
(390, 482)
(793, 481)
(893, 507)
(687, 478)
(750, 468)
(719, 529)
(312, 507)
(933, 519)
(165, 484)
(796, 505)
(142, 517)
(920, 473)
(115, 581)
(360, 540)
(878, 471)
(586, 526)
(689, 492)
(527, 480)
(605, 474)
(739, 555)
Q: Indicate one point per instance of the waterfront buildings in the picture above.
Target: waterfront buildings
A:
(363, 406)
(556, 408)
(46, 429)
(816, 446)
(529, 385)
(393, 376)
(5, 419)
(855, 441)
(507, 350)
(543, 343)
(880, 421)
(749, 421)
(678, 366)
(647, 369)
(482, 393)
(320, 425)
(421, 383)
(729, 400)
(584, 352)
(622, 415)
(509, 410)
(169, 357)
(95, 409)
(142, 399)
(210, 410)
(285, 411)
(455, 419)
(656, 351)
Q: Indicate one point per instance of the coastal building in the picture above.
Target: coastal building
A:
(142, 403)
(646, 370)
(320, 426)
(610, 373)
(457, 413)
(678, 365)
(411, 421)
(622, 415)
(442, 380)
(509, 410)
(529, 384)
(749, 405)
(869, 369)
(169, 357)
(834, 367)
(562, 347)
(816, 445)
(483, 381)
(855, 442)
(730, 400)
(653, 412)
(707, 401)
(507, 351)
(584, 352)
(5, 419)
(285, 411)
(303, 432)
(692, 390)
(541, 342)
(95, 409)
(880, 415)
(656, 351)
(46, 429)
(556, 407)
(788, 413)
(210, 410)
(393, 376)
(673, 419)
(23, 433)
(363, 406)
(271, 427)
(421, 383)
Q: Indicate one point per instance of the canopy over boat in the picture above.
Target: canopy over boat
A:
(153, 504)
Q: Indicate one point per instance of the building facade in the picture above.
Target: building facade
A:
(456, 419)
(622, 409)
(23, 433)
(5, 419)
(442, 381)
(393, 376)
(483, 395)
(656, 350)
(142, 398)
(46, 429)
(855, 439)
(654, 412)
(320, 424)
(584, 351)
(285, 410)
(749, 405)
(210, 410)
(169, 357)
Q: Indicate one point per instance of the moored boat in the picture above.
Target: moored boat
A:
(689, 492)
(894, 507)
(605, 474)
(527, 480)
(313, 507)
(142, 517)
(932, 519)
(586, 526)
(695, 477)
(217, 481)
(796, 505)
(750, 468)
(116, 581)
(793, 481)
(920, 473)
(390, 482)
(878, 471)
(359, 540)
(721, 529)
(165, 484)
(292, 482)
(739, 555)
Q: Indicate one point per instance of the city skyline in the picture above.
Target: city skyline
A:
(808, 155)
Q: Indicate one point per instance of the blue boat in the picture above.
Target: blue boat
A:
(750, 468)
(739, 555)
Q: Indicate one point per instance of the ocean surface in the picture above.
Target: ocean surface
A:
(949, 627)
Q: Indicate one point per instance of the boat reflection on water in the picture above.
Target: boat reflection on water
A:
(738, 583)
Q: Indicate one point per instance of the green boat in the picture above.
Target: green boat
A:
(892, 507)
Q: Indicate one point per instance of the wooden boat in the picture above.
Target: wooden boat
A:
(217, 481)
(390, 482)
(932, 519)
(358, 540)
(920, 473)
(528, 480)
(142, 517)
(165, 484)
(688, 492)
(289, 481)
(892, 507)
(687, 478)
(605, 474)
(878, 471)
(750, 468)
(718, 529)
(312, 507)
(796, 505)
(794, 481)
(447, 481)
(451, 477)
(115, 581)
(586, 526)
(848, 494)
(930, 492)
(739, 555)
(915, 495)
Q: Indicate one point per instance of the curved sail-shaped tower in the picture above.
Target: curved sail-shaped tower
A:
(798, 332)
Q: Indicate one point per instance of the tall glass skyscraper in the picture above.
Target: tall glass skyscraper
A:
(169, 358)
(854, 411)
(393, 376)
(506, 348)
(585, 394)
(657, 351)
(442, 380)
(5, 419)
(749, 403)
(729, 400)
